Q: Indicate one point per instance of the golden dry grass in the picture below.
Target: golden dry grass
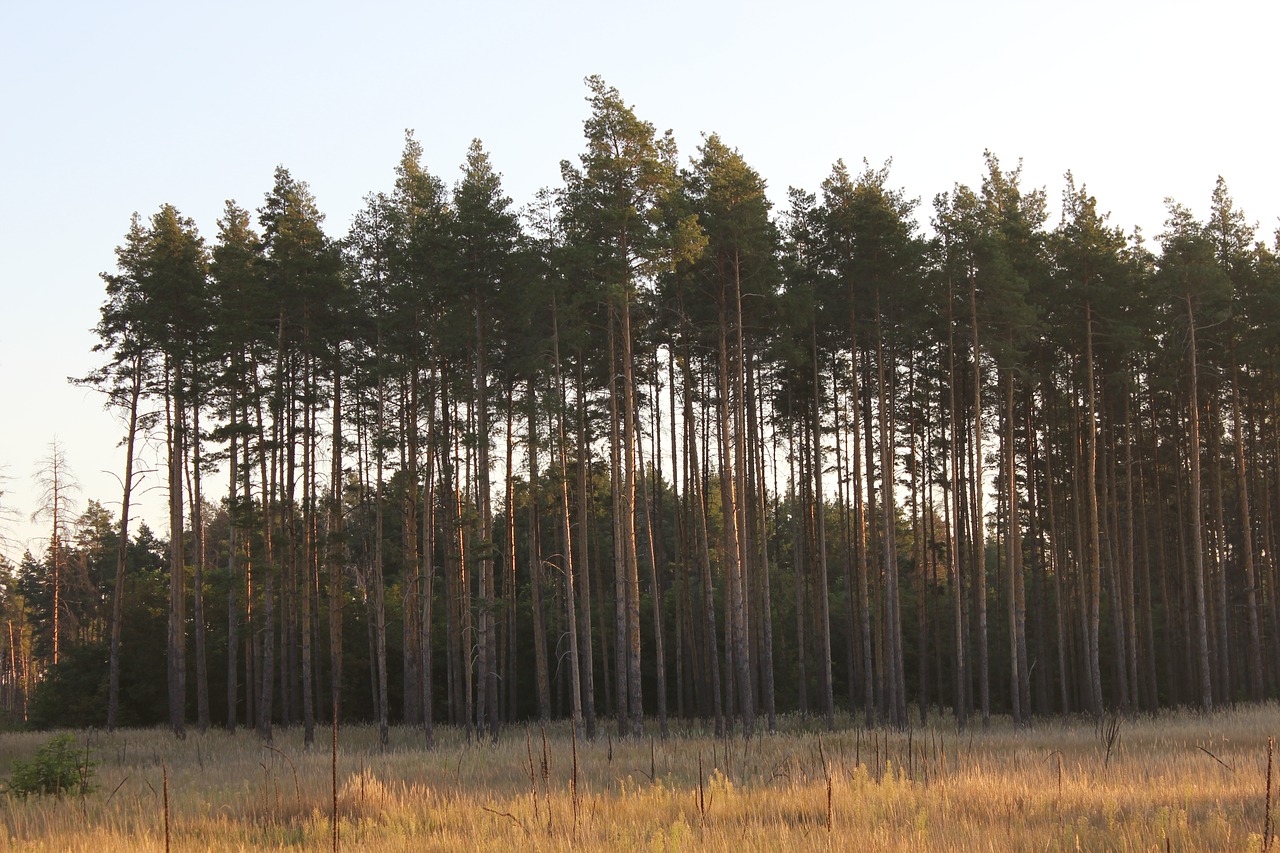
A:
(1181, 782)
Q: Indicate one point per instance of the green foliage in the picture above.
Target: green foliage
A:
(74, 693)
(58, 767)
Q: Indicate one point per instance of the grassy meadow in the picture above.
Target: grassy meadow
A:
(1183, 781)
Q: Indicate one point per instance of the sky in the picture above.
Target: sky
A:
(111, 108)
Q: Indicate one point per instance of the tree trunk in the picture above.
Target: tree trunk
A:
(337, 544)
(583, 560)
(897, 701)
(379, 594)
(266, 691)
(122, 550)
(735, 610)
(509, 683)
(631, 564)
(978, 520)
(1196, 521)
(308, 554)
(761, 505)
(621, 705)
(1256, 683)
(1020, 692)
(1094, 601)
(197, 527)
(1223, 646)
(411, 591)
(566, 528)
(655, 576)
(488, 637)
(955, 528)
(535, 568)
(177, 645)
(703, 548)
(820, 558)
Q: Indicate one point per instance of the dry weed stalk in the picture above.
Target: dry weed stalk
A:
(164, 770)
(297, 789)
(334, 776)
(1266, 820)
(1224, 764)
(1109, 731)
(573, 780)
(546, 776)
(702, 798)
(509, 816)
(826, 771)
(533, 783)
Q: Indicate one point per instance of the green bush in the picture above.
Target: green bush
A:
(58, 767)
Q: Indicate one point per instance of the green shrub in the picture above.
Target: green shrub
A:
(58, 767)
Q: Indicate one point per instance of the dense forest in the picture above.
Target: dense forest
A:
(648, 450)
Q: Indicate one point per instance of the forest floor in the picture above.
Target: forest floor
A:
(1181, 781)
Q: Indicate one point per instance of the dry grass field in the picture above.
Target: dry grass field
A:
(1179, 782)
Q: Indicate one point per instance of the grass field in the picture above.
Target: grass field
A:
(1182, 781)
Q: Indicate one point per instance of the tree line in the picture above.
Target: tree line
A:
(648, 449)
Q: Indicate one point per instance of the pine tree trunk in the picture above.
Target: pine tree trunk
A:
(820, 535)
(584, 561)
(1094, 601)
(897, 683)
(427, 578)
(337, 544)
(308, 478)
(379, 594)
(680, 487)
(702, 545)
(655, 579)
(955, 527)
(631, 563)
(1148, 657)
(266, 690)
(466, 665)
(1127, 565)
(122, 548)
(1020, 692)
(621, 705)
(1224, 644)
(1256, 683)
(735, 610)
(177, 657)
(487, 697)
(1196, 521)
(197, 527)
(761, 504)
(535, 570)
(566, 533)
(411, 591)
(233, 567)
(863, 568)
(979, 520)
(745, 535)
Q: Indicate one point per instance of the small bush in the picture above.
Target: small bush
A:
(58, 767)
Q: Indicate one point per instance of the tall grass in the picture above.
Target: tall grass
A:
(1182, 782)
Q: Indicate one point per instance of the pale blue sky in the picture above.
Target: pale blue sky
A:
(110, 108)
